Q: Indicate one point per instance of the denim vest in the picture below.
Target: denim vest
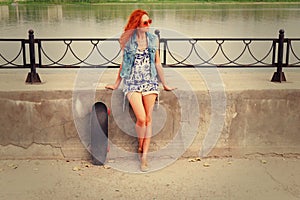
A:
(129, 54)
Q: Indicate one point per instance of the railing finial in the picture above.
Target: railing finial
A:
(157, 32)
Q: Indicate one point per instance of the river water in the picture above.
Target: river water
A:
(192, 20)
(173, 20)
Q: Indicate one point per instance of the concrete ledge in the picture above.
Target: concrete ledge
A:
(38, 121)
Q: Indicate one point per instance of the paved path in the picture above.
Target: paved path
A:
(234, 79)
(256, 177)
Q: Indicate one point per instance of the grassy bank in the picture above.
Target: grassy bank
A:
(137, 1)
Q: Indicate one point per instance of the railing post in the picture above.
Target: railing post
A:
(157, 32)
(32, 76)
(279, 74)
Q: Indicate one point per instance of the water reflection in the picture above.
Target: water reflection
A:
(194, 20)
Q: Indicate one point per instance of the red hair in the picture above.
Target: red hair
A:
(132, 24)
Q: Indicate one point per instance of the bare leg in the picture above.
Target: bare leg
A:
(136, 102)
(142, 107)
(148, 101)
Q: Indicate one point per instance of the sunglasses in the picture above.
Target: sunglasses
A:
(147, 23)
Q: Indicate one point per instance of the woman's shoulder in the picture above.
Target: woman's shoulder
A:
(153, 40)
(151, 35)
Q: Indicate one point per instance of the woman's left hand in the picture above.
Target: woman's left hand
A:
(167, 88)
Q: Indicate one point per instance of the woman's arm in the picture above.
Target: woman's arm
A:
(160, 72)
(117, 82)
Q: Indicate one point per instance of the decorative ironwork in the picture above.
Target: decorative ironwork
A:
(218, 53)
(189, 52)
(200, 52)
(95, 53)
(292, 54)
(20, 54)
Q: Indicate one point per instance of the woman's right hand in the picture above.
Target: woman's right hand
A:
(111, 87)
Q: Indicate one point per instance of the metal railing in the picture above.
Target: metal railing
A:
(175, 52)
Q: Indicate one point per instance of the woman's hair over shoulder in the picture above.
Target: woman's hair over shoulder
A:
(132, 24)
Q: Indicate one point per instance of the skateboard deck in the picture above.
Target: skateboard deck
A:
(99, 133)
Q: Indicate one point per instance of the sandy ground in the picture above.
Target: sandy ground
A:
(258, 177)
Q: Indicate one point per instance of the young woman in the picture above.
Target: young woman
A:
(140, 70)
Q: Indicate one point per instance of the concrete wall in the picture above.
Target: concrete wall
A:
(40, 124)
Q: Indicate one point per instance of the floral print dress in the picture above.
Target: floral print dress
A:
(140, 79)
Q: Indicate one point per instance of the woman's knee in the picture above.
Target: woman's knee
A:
(144, 120)
(148, 120)
(141, 121)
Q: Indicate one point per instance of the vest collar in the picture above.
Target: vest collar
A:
(134, 37)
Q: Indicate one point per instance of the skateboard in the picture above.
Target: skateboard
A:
(99, 133)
